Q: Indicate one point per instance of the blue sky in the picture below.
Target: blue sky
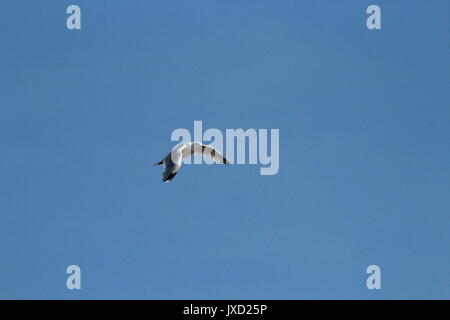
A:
(363, 119)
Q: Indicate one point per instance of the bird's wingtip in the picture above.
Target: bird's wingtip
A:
(158, 163)
(169, 177)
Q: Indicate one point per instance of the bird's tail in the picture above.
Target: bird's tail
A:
(159, 163)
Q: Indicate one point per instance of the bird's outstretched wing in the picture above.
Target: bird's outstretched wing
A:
(209, 151)
(172, 162)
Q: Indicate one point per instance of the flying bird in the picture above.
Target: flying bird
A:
(172, 162)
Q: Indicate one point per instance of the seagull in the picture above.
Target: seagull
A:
(172, 162)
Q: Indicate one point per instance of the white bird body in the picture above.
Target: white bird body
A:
(172, 162)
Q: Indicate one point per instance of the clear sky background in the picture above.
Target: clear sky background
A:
(364, 154)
